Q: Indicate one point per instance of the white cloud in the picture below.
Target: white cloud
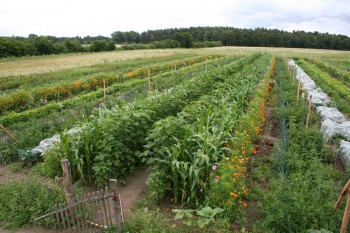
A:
(91, 17)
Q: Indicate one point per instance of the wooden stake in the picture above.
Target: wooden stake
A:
(175, 67)
(293, 77)
(8, 133)
(342, 194)
(345, 221)
(206, 65)
(308, 112)
(104, 89)
(149, 82)
(116, 204)
(192, 68)
(299, 83)
(67, 182)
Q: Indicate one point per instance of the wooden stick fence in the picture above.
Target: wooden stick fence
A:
(91, 212)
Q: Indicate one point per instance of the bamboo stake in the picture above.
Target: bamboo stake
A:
(342, 194)
(295, 75)
(8, 133)
(192, 68)
(308, 113)
(299, 83)
(206, 65)
(149, 81)
(345, 221)
(104, 89)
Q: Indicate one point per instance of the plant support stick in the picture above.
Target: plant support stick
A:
(8, 133)
(308, 113)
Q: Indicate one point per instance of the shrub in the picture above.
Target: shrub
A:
(22, 201)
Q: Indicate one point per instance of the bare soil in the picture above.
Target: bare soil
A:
(6, 174)
(134, 191)
(269, 139)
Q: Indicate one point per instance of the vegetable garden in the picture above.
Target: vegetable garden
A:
(201, 125)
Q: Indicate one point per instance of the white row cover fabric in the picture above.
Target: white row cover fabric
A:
(333, 122)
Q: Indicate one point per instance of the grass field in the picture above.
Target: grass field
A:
(41, 64)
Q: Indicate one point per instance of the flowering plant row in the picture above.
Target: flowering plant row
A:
(185, 151)
(21, 101)
(97, 96)
(228, 177)
(110, 144)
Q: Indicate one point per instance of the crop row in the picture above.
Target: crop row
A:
(188, 152)
(333, 87)
(10, 83)
(32, 126)
(335, 72)
(98, 95)
(297, 188)
(110, 145)
(25, 100)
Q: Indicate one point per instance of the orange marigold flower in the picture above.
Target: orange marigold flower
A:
(233, 195)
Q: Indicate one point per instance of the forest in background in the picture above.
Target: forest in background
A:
(193, 37)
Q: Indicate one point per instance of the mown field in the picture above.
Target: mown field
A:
(219, 129)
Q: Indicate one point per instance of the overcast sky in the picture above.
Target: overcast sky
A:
(102, 17)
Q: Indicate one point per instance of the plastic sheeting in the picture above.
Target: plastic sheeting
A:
(333, 122)
(45, 144)
(344, 153)
(330, 113)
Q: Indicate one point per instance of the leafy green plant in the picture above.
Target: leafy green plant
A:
(205, 216)
(29, 158)
(22, 201)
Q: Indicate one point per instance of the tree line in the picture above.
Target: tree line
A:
(230, 36)
(44, 45)
(193, 37)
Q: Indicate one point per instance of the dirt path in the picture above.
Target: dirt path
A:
(269, 139)
(6, 174)
(134, 191)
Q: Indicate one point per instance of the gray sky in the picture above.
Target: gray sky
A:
(102, 17)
